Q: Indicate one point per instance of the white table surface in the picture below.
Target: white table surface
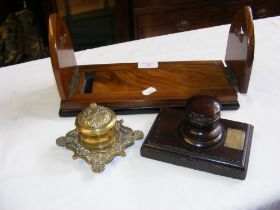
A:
(37, 174)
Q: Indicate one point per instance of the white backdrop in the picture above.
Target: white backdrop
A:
(37, 174)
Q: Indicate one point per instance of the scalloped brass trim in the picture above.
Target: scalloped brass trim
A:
(99, 158)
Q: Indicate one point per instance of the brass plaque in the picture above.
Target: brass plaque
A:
(235, 139)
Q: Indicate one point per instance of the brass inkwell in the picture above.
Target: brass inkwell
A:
(98, 137)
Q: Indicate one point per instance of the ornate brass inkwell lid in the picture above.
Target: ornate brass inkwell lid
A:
(98, 137)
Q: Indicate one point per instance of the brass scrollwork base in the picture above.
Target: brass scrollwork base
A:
(98, 158)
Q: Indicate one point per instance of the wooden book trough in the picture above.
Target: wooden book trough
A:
(120, 86)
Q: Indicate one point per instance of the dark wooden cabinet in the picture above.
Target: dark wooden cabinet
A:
(158, 17)
(176, 18)
(230, 7)
(266, 8)
(91, 23)
(95, 23)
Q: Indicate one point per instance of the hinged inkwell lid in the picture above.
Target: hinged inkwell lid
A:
(96, 127)
(95, 120)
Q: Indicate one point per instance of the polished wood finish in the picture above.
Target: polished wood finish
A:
(120, 86)
(123, 21)
(61, 54)
(74, 7)
(166, 142)
(231, 7)
(159, 17)
(266, 8)
(201, 127)
(156, 3)
(136, 19)
(240, 47)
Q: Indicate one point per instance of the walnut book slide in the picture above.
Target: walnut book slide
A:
(120, 86)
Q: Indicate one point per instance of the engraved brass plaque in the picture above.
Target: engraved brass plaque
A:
(235, 139)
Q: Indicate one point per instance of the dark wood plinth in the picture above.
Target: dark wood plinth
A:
(164, 143)
(71, 112)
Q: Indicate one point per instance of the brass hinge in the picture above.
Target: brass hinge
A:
(230, 75)
(74, 83)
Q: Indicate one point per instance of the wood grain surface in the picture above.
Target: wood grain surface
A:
(120, 86)
(240, 47)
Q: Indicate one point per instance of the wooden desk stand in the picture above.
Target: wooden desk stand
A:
(120, 86)
(198, 138)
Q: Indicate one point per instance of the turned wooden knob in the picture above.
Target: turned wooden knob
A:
(202, 127)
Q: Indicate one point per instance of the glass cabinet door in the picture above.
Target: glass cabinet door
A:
(92, 23)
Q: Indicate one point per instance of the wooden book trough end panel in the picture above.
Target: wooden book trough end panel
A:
(120, 86)
(62, 54)
(240, 47)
